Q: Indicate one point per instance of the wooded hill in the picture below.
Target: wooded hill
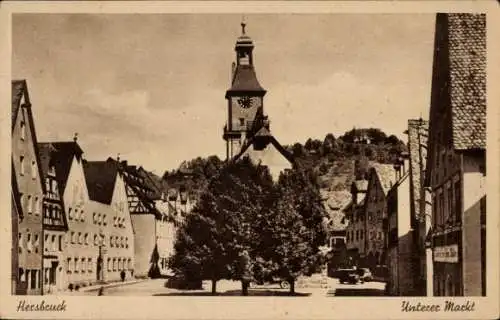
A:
(332, 160)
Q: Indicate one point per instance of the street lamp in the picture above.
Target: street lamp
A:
(100, 271)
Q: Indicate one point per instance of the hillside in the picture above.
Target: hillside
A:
(332, 160)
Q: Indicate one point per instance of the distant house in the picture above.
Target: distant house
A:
(381, 178)
(29, 187)
(355, 215)
(456, 158)
(153, 226)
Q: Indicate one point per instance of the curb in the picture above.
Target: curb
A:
(111, 285)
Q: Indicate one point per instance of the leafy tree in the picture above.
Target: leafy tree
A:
(292, 229)
(219, 231)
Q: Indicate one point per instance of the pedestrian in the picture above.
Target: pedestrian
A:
(122, 275)
(101, 291)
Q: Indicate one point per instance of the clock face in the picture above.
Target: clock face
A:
(245, 102)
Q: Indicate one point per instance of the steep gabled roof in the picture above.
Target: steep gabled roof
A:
(244, 80)
(467, 55)
(16, 197)
(263, 136)
(385, 174)
(101, 178)
(20, 88)
(417, 142)
(62, 157)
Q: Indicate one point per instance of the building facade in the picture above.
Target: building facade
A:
(54, 222)
(420, 203)
(356, 228)
(26, 167)
(456, 164)
(113, 242)
(381, 178)
(401, 237)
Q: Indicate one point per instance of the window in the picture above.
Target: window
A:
(95, 240)
(80, 240)
(450, 211)
(83, 266)
(33, 279)
(72, 237)
(242, 121)
(37, 206)
(29, 205)
(126, 242)
(86, 239)
(458, 201)
(53, 243)
(109, 264)
(361, 235)
(129, 263)
(98, 218)
(70, 213)
(122, 244)
(114, 264)
(46, 242)
(104, 220)
(20, 242)
(357, 235)
(68, 265)
(89, 265)
(94, 220)
(82, 216)
(29, 244)
(60, 243)
(23, 130)
(33, 169)
(21, 162)
(22, 276)
(76, 265)
(111, 241)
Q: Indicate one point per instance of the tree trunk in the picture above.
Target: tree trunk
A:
(292, 286)
(244, 288)
(214, 286)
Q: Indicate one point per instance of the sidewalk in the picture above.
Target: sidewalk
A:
(98, 286)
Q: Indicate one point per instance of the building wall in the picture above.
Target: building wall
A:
(474, 190)
(165, 239)
(53, 248)
(375, 213)
(31, 193)
(80, 225)
(270, 157)
(144, 242)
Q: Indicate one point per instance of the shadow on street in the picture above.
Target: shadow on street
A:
(346, 292)
(233, 293)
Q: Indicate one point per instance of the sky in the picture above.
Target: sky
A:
(151, 87)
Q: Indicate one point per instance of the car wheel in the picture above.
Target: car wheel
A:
(284, 284)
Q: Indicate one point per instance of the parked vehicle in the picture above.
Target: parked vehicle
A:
(348, 275)
(284, 284)
(365, 275)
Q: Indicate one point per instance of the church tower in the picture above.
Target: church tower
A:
(245, 98)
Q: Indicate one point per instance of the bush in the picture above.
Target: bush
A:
(77, 287)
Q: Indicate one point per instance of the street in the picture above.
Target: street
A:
(156, 287)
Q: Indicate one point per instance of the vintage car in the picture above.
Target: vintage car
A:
(365, 275)
(348, 276)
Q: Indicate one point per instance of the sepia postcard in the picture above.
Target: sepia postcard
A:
(249, 160)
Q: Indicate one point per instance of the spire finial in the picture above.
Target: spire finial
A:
(243, 25)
